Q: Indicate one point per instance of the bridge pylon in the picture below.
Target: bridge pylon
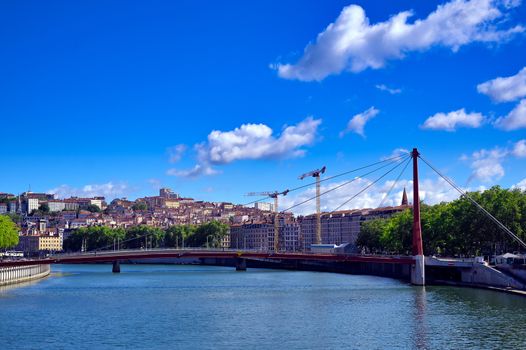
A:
(241, 264)
(116, 267)
(418, 269)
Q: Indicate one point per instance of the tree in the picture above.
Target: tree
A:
(143, 236)
(44, 208)
(211, 232)
(94, 237)
(397, 236)
(138, 206)
(177, 235)
(8, 232)
(370, 233)
(93, 208)
(16, 218)
(457, 228)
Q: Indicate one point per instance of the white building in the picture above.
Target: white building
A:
(264, 206)
(55, 206)
(32, 204)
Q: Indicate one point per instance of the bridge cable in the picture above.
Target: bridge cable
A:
(365, 188)
(394, 183)
(357, 194)
(343, 184)
(391, 159)
(481, 208)
(120, 242)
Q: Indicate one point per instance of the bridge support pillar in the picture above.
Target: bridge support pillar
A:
(418, 277)
(116, 267)
(418, 269)
(241, 264)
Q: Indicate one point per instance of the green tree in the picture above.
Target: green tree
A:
(94, 237)
(457, 228)
(8, 232)
(93, 208)
(143, 236)
(177, 235)
(44, 208)
(370, 233)
(16, 218)
(397, 236)
(138, 206)
(211, 232)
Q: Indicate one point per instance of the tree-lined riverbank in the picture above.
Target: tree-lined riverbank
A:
(209, 234)
(454, 228)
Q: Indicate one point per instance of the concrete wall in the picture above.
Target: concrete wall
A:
(518, 273)
(486, 275)
(19, 274)
(398, 271)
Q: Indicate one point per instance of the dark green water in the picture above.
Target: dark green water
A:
(197, 307)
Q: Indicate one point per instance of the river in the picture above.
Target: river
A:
(200, 307)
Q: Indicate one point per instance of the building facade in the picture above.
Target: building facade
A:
(260, 236)
(342, 226)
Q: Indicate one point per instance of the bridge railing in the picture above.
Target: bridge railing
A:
(217, 250)
(153, 250)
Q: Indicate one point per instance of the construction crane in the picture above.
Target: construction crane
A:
(316, 174)
(274, 195)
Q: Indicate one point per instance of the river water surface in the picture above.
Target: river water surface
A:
(199, 307)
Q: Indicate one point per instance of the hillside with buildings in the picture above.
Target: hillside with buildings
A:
(45, 221)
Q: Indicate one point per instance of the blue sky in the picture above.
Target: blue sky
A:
(103, 97)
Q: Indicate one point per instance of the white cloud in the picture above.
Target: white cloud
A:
(487, 165)
(383, 87)
(435, 191)
(396, 153)
(432, 191)
(250, 141)
(176, 152)
(454, 119)
(357, 123)
(505, 89)
(520, 185)
(109, 190)
(255, 141)
(519, 149)
(196, 171)
(516, 119)
(353, 43)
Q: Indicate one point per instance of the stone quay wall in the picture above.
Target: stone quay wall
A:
(19, 274)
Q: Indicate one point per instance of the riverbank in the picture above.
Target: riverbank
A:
(507, 290)
(21, 274)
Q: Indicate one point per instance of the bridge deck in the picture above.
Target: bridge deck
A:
(220, 254)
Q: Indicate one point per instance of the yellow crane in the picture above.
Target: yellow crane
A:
(316, 174)
(274, 195)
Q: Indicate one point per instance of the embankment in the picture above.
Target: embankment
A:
(20, 274)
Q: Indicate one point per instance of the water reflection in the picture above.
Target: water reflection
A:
(420, 334)
(9, 287)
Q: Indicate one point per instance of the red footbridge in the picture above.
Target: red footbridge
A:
(407, 267)
(388, 266)
(174, 254)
